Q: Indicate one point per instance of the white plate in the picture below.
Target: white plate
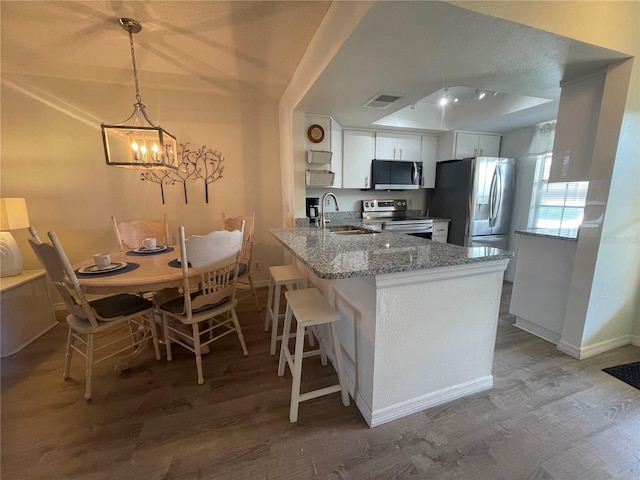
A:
(110, 268)
(151, 250)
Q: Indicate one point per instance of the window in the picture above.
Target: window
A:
(555, 206)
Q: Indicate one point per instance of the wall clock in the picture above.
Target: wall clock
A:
(315, 133)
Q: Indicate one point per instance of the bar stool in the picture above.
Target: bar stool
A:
(291, 278)
(309, 308)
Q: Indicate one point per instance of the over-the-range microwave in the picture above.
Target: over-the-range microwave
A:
(396, 175)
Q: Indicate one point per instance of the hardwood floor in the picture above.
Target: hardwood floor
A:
(549, 416)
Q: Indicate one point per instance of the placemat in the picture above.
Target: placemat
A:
(175, 263)
(130, 267)
(133, 253)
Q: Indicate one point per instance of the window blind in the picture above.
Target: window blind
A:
(555, 206)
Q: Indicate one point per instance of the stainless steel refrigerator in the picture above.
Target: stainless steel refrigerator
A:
(477, 195)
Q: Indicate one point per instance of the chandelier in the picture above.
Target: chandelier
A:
(138, 142)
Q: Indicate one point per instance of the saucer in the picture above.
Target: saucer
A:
(159, 248)
(96, 269)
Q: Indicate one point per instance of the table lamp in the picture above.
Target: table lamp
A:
(13, 215)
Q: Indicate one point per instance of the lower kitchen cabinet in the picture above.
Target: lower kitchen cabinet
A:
(440, 230)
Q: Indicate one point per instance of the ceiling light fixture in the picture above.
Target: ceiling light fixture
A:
(444, 100)
(480, 94)
(141, 144)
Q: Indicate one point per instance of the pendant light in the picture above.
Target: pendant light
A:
(138, 142)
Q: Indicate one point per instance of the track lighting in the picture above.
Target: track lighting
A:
(480, 94)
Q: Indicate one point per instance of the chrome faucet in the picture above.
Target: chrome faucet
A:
(324, 197)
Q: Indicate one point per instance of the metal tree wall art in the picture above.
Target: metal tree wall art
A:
(159, 177)
(186, 169)
(207, 165)
(203, 163)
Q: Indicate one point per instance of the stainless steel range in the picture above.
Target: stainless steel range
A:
(392, 215)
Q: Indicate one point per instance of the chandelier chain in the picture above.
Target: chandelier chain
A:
(135, 69)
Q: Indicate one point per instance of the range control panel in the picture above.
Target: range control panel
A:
(384, 205)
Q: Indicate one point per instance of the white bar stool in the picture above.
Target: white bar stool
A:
(309, 308)
(291, 278)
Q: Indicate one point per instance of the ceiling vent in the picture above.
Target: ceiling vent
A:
(382, 100)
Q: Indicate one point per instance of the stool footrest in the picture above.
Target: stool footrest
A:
(311, 353)
(318, 393)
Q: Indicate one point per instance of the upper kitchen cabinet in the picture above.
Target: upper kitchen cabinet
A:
(576, 129)
(397, 146)
(325, 134)
(429, 156)
(458, 145)
(357, 153)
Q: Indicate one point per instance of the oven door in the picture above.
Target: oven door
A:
(426, 235)
(417, 229)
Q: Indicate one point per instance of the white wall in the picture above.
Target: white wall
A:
(52, 155)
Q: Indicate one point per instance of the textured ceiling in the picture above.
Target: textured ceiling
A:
(415, 48)
(234, 48)
(250, 49)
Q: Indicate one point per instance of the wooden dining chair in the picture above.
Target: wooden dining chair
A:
(130, 235)
(215, 258)
(34, 234)
(245, 280)
(98, 329)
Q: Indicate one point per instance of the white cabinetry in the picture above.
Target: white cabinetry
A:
(460, 145)
(397, 146)
(440, 230)
(357, 153)
(428, 156)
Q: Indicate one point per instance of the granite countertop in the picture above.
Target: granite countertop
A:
(569, 234)
(332, 256)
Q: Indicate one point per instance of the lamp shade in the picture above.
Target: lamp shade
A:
(13, 214)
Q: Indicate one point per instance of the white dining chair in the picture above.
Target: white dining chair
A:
(98, 329)
(130, 235)
(245, 268)
(213, 302)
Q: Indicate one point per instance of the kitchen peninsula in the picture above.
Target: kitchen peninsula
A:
(418, 318)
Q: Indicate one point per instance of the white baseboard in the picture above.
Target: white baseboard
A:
(569, 349)
(445, 395)
(596, 348)
(537, 330)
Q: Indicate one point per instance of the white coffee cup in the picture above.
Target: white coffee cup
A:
(149, 243)
(102, 260)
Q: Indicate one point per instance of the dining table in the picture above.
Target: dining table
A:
(136, 271)
(143, 271)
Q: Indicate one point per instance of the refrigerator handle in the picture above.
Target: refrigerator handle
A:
(492, 198)
(499, 190)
